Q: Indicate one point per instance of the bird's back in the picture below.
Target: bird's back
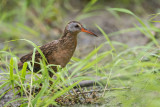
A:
(57, 52)
(46, 49)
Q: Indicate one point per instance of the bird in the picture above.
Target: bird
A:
(57, 52)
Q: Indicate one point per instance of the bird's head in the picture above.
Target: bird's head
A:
(76, 27)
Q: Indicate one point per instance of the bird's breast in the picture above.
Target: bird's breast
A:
(62, 57)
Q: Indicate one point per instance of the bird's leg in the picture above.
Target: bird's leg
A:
(51, 73)
(54, 69)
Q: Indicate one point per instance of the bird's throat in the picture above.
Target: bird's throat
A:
(69, 41)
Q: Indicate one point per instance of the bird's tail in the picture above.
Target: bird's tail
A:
(20, 65)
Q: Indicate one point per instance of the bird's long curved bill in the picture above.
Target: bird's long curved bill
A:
(87, 31)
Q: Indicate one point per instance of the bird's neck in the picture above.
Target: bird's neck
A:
(69, 41)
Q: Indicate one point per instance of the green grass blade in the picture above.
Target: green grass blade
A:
(18, 99)
(11, 74)
(3, 85)
(107, 38)
(99, 58)
(24, 71)
(121, 10)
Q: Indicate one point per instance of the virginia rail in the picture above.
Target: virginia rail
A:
(58, 52)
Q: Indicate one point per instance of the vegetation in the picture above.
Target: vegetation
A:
(130, 76)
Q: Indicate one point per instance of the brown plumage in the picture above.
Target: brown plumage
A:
(58, 52)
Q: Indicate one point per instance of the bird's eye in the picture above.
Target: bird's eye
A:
(76, 26)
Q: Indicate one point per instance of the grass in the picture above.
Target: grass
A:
(131, 75)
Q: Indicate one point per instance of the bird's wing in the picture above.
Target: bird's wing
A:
(47, 49)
